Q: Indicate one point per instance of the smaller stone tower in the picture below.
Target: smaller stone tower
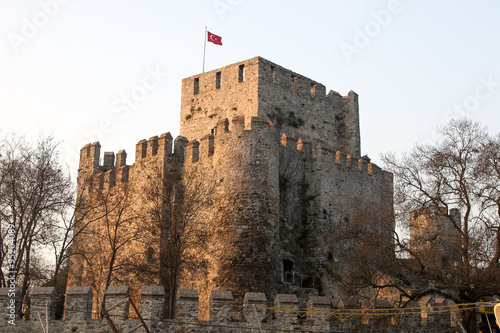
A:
(434, 234)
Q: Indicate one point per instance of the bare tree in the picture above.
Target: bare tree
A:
(452, 177)
(182, 205)
(367, 243)
(488, 177)
(108, 241)
(83, 212)
(34, 192)
(446, 206)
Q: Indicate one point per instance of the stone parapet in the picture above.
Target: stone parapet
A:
(78, 303)
(221, 306)
(187, 305)
(10, 302)
(287, 316)
(318, 308)
(43, 300)
(117, 302)
(152, 303)
(253, 304)
(289, 305)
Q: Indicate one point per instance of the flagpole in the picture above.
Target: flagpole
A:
(204, 49)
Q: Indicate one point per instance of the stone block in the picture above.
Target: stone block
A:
(152, 302)
(318, 308)
(43, 300)
(78, 304)
(117, 302)
(257, 300)
(187, 305)
(221, 306)
(289, 307)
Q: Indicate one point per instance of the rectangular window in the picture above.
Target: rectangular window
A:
(294, 82)
(287, 270)
(218, 77)
(196, 86)
(273, 71)
(241, 73)
(313, 90)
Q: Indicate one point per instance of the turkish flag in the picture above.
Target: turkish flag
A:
(214, 38)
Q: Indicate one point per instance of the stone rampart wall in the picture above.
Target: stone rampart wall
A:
(282, 196)
(280, 314)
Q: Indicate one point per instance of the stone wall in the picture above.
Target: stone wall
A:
(261, 314)
(301, 108)
(116, 190)
(281, 198)
(201, 111)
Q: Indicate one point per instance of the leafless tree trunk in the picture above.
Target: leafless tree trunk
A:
(182, 208)
(488, 176)
(455, 172)
(455, 176)
(109, 239)
(34, 192)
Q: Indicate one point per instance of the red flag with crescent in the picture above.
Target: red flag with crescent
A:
(214, 38)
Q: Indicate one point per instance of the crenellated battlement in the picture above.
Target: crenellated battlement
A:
(238, 125)
(115, 171)
(158, 149)
(281, 313)
(245, 75)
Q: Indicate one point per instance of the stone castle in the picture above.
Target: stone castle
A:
(283, 159)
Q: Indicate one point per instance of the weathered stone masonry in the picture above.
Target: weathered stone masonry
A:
(282, 318)
(286, 159)
(297, 105)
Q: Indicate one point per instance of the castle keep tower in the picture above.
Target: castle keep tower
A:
(295, 104)
(284, 160)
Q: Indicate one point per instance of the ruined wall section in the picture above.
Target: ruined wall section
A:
(301, 108)
(433, 233)
(210, 97)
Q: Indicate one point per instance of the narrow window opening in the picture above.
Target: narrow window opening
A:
(313, 90)
(196, 86)
(218, 77)
(195, 153)
(294, 82)
(273, 71)
(211, 145)
(241, 73)
(287, 270)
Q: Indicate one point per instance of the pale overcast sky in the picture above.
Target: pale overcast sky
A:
(67, 66)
